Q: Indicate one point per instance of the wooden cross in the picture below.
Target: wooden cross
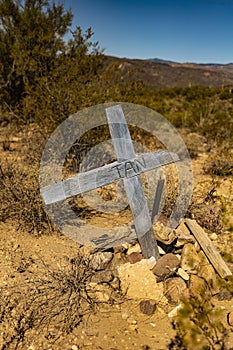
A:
(127, 167)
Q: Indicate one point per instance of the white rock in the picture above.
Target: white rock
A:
(174, 312)
(183, 274)
(214, 237)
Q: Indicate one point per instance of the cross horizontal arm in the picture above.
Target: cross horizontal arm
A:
(107, 174)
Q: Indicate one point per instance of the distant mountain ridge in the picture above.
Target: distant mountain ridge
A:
(160, 60)
(159, 73)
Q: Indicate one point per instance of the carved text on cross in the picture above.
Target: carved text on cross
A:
(127, 167)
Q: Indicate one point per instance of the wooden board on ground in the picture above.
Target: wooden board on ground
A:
(208, 248)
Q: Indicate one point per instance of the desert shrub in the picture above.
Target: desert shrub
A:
(58, 300)
(199, 323)
(220, 163)
(44, 76)
(198, 326)
(20, 198)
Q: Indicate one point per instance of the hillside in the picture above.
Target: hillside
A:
(166, 74)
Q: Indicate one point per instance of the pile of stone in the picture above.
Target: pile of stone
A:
(183, 270)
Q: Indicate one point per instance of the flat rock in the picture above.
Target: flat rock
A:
(148, 307)
(190, 260)
(183, 274)
(102, 276)
(166, 265)
(100, 260)
(139, 282)
(174, 289)
(134, 257)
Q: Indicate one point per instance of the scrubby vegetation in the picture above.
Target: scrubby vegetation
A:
(45, 77)
(49, 70)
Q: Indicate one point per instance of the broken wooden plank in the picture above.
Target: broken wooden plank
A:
(208, 248)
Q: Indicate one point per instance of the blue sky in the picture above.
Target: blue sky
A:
(180, 30)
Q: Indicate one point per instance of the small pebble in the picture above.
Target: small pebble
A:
(133, 327)
(183, 274)
(148, 307)
(131, 321)
(230, 318)
(74, 347)
(214, 237)
(125, 315)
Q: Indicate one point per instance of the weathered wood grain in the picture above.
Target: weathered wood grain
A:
(208, 248)
(157, 200)
(84, 182)
(127, 167)
(133, 186)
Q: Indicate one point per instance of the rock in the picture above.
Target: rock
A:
(86, 251)
(183, 235)
(198, 288)
(189, 259)
(139, 282)
(183, 274)
(230, 318)
(74, 347)
(166, 265)
(174, 289)
(162, 235)
(100, 292)
(125, 315)
(148, 307)
(134, 257)
(151, 262)
(174, 312)
(197, 247)
(134, 249)
(100, 260)
(213, 236)
(182, 229)
(208, 273)
(102, 276)
(224, 294)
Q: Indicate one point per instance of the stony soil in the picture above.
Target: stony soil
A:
(119, 325)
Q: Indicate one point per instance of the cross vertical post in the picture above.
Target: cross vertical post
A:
(124, 150)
